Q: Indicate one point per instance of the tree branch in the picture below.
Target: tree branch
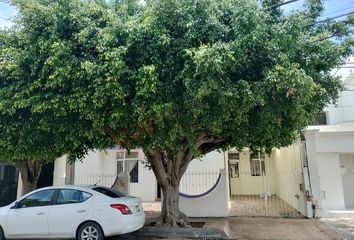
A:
(208, 147)
(157, 165)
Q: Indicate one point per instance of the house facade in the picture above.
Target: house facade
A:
(330, 152)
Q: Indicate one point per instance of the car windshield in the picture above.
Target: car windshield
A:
(109, 192)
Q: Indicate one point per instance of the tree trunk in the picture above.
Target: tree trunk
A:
(169, 169)
(30, 171)
(168, 174)
(170, 213)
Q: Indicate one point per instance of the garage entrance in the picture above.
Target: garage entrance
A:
(263, 185)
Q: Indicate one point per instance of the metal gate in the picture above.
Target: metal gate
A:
(267, 186)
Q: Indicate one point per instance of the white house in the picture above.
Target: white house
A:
(330, 152)
(315, 177)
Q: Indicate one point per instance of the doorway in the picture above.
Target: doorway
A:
(265, 185)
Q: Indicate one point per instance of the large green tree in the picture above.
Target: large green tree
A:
(31, 135)
(177, 78)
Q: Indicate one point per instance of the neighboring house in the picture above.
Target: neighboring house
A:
(312, 177)
(330, 151)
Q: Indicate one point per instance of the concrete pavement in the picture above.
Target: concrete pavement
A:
(251, 228)
(260, 228)
(274, 228)
(343, 226)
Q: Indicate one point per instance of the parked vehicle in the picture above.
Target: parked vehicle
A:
(84, 213)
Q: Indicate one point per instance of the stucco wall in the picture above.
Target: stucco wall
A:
(91, 164)
(347, 173)
(331, 181)
(335, 142)
(211, 161)
(214, 204)
(247, 184)
(59, 171)
(288, 176)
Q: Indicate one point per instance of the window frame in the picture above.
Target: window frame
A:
(234, 164)
(131, 176)
(127, 157)
(260, 158)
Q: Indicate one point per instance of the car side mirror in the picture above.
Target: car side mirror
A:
(17, 205)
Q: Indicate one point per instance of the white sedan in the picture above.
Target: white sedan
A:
(84, 213)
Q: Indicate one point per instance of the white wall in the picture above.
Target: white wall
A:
(288, 176)
(212, 161)
(59, 173)
(247, 184)
(344, 110)
(331, 181)
(89, 165)
(335, 142)
(214, 204)
(347, 172)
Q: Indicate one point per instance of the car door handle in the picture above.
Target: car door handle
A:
(40, 213)
(81, 211)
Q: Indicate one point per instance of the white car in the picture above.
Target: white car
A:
(84, 213)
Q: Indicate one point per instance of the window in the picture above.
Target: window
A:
(109, 192)
(120, 166)
(134, 173)
(129, 163)
(320, 119)
(120, 155)
(38, 199)
(234, 165)
(67, 196)
(131, 155)
(257, 164)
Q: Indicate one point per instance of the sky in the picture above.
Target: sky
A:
(332, 8)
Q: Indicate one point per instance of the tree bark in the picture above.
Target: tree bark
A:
(169, 171)
(168, 175)
(170, 213)
(30, 171)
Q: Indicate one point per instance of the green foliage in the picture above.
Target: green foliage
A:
(81, 74)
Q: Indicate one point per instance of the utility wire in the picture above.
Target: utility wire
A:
(6, 19)
(331, 36)
(283, 3)
(328, 14)
(332, 18)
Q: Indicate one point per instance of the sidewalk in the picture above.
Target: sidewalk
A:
(259, 228)
(273, 228)
(343, 226)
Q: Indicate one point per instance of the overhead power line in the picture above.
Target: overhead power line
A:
(328, 14)
(6, 19)
(283, 3)
(332, 18)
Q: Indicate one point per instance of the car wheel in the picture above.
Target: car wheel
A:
(2, 236)
(90, 231)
